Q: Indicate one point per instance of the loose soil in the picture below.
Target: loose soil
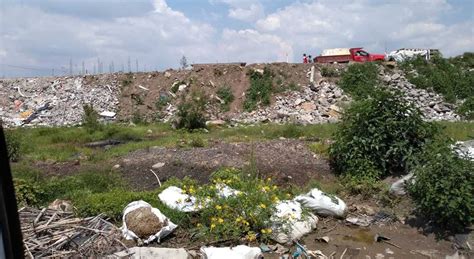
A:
(143, 222)
(286, 161)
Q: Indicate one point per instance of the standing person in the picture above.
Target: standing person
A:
(310, 60)
(305, 58)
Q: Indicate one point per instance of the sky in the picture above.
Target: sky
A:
(42, 37)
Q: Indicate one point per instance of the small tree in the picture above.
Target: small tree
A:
(183, 62)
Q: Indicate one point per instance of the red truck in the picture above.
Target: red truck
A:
(346, 55)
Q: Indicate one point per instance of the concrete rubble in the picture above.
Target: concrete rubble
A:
(430, 103)
(56, 101)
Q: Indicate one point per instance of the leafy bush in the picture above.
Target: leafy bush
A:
(448, 77)
(225, 93)
(28, 192)
(260, 90)
(13, 141)
(328, 71)
(378, 135)
(360, 80)
(190, 112)
(466, 109)
(90, 119)
(443, 186)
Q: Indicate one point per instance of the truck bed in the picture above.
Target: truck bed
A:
(332, 59)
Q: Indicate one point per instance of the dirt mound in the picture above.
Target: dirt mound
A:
(143, 222)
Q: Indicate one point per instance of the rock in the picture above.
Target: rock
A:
(107, 114)
(215, 123)
(152, 252)
(149, 131)
(395, 76)
(158, 165)
(298, 101)
(308, 106)
(182, 87)
(143, 222)
(260, 71)
(167, 74)
(117, 166)
(61, 205)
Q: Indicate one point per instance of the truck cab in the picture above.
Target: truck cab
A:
(360, 55)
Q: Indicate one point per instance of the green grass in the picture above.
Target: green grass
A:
(67, 143)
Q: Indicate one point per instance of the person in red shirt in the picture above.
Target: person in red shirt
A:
(305, 59)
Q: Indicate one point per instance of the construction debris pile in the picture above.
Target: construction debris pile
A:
(430, 103)
(56, 101)
(313, 104)
(57, 233)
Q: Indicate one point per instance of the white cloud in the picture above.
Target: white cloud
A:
(252, 46)
(252, 13)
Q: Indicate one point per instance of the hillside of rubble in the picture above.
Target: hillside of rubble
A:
(302, 93)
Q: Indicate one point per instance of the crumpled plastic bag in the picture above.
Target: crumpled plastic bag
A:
(322, 203)
(237, 252)
(398, 187)
(225, 191)
(175, 198)
(289, 223)
(164, 231)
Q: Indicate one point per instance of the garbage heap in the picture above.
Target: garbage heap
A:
(56, 101)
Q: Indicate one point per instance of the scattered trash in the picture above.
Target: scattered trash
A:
(324, 239)
(225, 191)
(388, 251)
(237, 252)
(322, 203)
(289, 223)
(398, 187)
(365, 209)
(107, 114)
(265, 248)
(142, 221)
(380, 238)
(153, 252)
(158, 165)
(465, 149)
(279, 249)
(318, 254)
(175, 198)
(143, 88)
(363, 221)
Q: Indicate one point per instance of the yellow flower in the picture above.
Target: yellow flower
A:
(213, 219)
(274, 187)
(263, 206)
(263, 231)
(213, 226)
(288, 195)
(199, 224)
(275, 199)
(220, 220)
(266, 189)
(269, 179)
(237, 220)
(180, 200)
(251, 236)
(218, 207)
(269, 230)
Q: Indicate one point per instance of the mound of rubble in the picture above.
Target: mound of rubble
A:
(56, 101)
(59, 101)
(430, 103)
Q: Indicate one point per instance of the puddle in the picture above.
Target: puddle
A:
(361, 236)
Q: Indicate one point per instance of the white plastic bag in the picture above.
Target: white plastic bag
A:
(175, 198)
(225, 191)
(237, 252)
(289, 223)
(322, 204)
(164, 231)
(398, 187)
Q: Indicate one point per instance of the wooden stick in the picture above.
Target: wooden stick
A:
(343, 253)
(158, 179)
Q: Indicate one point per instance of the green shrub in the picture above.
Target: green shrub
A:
(448, 77)
(378, 135)
(90, 119)
(360, 80)
(14, 146)
(260, 90)
(191, 112)
(128, 80)
(466, 109)
(443, 186)
(28, 192)
(328, 71)
(225, 93)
